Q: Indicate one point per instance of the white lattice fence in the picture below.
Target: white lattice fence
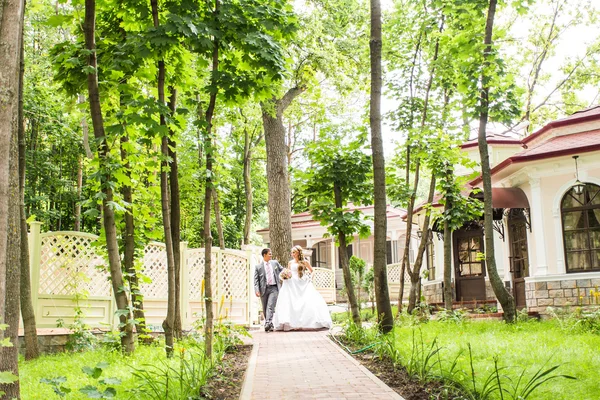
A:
(393, 271)
(324, 281)
(68, 264)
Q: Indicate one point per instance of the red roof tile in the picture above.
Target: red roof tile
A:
(558, 146)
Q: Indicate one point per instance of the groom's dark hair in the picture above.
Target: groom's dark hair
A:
(264, 251)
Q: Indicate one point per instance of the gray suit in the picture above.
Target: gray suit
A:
(268, 294)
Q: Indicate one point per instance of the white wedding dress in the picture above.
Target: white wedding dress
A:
(300, 305)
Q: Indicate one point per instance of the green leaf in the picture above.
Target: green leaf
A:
(110, 381)
(7, 377)
(91, 392)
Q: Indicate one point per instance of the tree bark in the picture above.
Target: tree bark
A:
(504, 297)
(208, 188)
(108, 216)
(343, 253)
(11, 298)
(27, 312)
(77, 216)
(175, 216)
(384, 308)
(415, 274)
(11, 28)
(447, 260)
(247, 186)
(215, 197)
(169, 322)
(280, 219)
(129, 243)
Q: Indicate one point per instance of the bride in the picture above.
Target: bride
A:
(299, 304)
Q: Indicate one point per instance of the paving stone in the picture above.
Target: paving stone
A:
(307, 365)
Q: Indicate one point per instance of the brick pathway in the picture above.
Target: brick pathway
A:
(307, 365)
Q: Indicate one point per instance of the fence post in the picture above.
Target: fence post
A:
(35, 253)
(184, 287)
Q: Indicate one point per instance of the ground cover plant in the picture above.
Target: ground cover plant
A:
(517, 357)
(103, 372)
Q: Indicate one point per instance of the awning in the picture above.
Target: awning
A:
(506, 198)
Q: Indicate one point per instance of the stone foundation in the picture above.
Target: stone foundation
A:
(433, 292)
(561, 293)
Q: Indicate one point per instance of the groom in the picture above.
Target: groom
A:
(266, 285)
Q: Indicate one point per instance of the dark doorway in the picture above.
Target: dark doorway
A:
(519, 256)
(469, 265)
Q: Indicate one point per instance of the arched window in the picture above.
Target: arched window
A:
(581, 228)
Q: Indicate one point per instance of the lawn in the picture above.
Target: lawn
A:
(526, 345)
(70, 365)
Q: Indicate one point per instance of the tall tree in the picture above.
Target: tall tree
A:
(175, 204)
(11, 22)
(502, 294)
(27, 312)
(280, 221)
(11, 297)
(108, 214)
(11, 28)
(384, 308)
(340, 174)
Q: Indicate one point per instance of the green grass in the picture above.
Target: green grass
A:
(531, 345)
(70, 364)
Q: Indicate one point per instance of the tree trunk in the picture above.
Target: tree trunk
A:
(409, 223)
(280, 218)
(343, 253)
(175, 217)
(208, 188)
(11, 298)
(129, 244)
(11, 28)
(247, 187)
(27, 312)
(77, 216)
(415, 274)
(219, 223)
(169, 322)
(110, 229)
(382, 296)
(504, 297)
(447, 261)
(85, 130)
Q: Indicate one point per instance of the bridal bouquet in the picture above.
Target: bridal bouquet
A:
(285, 274)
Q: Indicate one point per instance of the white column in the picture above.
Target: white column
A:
(332, 257)
(560, 251)
(540, 267)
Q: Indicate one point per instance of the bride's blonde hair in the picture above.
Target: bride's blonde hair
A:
(301, 260)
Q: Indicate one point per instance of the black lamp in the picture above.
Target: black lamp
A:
(578, 187)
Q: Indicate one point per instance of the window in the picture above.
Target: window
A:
(321, 255)
(389, 251)
(430, 257)
(581, 228)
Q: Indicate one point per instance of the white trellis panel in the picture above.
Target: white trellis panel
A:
(324, 281)
(69, 265)
(68, 270)
(156, 291)
(393, 272)
(234, 268)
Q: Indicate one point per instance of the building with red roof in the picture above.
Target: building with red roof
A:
(546, 198)
(323, 253)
